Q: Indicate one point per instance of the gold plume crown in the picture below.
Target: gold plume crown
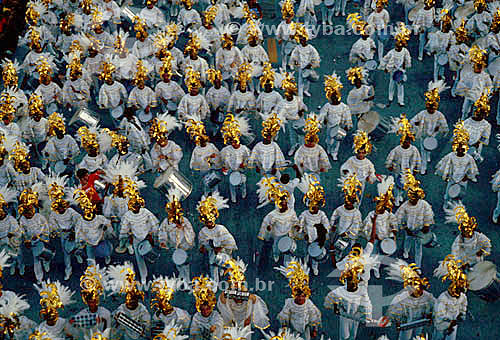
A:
(357, 24)
(354, 266)
(210, 14)
(27, 200)
(244, 74)
(482, 104)
(404, 129)
(461, 32)
(117, 140)
(287, 9)
(66, 22)
(192, 78)
(161, 41)
(362, 142)
(466, 223)
(19, 155)
(166, 65)
(312, 129)
(85, 203)
(35, 105)
(32, 14)
(333, 86)
(56, 121)
(96, 18)
(56, 195)
(107, 69)
(196, 130)
(479, 4)
(130, 285)
(477, 55)
(34, 38)
(455, 273)
(411, 277)
(275, 192)
(412, 186)
(7, 108)
(230, 129)
(163, 294)
(355, 73)
(351, 186)
(158, 129)
(315, 195)
(49, 299)
(271, 126)
(203, 293)
(88, 138)
(460, 136)
(9, 73)
(298, 279)
(174, 210)
(300, 31)
(386, 197)
(268, 75)
(213, 74)
(193, 44)
(91, 284)
(252, 30)
(236, 274)
(495, 23)
(75, 65)
(403, 34)
(140, 27)
(131, 191)
(141, 75)
(288, 84)
(43, 67)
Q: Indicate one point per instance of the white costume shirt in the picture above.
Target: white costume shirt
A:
(401, 159)
(177, 238)
(347, 221)
(267, 156)
(110, 95)
(415, 217)
(452, 167)
(466, 249)
(299, 316)
(201, 159)
(281, 224)
(139, 225)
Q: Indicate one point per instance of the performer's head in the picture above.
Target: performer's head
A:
(91, 287)
(314, 198)
(353, 269)
(204, 295)
(351, 187)
(362, 145)
(460, 143)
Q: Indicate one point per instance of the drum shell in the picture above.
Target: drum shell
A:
(180, 257)
(430, 143)
(286, 245)
(381, 129)
(485, 281)
(235, 178)
(454, 191)
(388, 246)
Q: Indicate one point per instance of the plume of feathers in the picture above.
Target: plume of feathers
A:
(12, 305)
(65, 294)
(383, 186)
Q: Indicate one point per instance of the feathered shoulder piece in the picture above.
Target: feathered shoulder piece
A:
(12, 305)
(215, 200)
(283, 334)
(236, 333)
(120, 279)
(297, 273)
(171, 332)
(123, 169)
(54, 294)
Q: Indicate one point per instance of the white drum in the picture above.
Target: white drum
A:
(429, 240)
(337, 133)
(454, 191)
(388, 246)
(236, 178)
(179, 257)
(117, 112)
(285, 244)
(341, 245)
(371, 65)
(314, 250)
(59, 167)
(430, 143)
(145, 117)
(484, 280)
(171, 106)
(369, 121)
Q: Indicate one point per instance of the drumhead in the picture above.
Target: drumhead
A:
(145, 117)
(371, 65)
(388, 246)
(454, 191)
(117, 112)
(430, 143)
(314, 250)
(59, 167)
(235, 178)
(481, 275)
(285, 244)
(171, 106)
(179, 257)
(369, 121)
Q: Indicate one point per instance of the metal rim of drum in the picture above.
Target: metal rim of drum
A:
(371, 65)
(442, 59)
(117, 112)
(235, 178)
(388, 246)
(430, 143)
(481, 275)
(59, 167)
(179, 257)
(314, 250)
(285, 244)
(454, 191)
(145, 117)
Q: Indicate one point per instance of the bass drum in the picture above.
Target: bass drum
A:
(485, 281)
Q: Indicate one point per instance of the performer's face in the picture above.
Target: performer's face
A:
(205, 310)
(313, 209)
(300, 299)
(93, 305)
(361, 154)
(132, 303)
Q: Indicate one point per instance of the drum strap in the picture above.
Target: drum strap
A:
(129, 323)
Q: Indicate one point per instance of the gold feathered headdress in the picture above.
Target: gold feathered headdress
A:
(88, 138)
(44, 67)
(162, 126)
(271, 126)
(357, 24)
(7, 102)
(287, 9)
(196, 130)
(209, 206)
(209, 15)
(163, 289)
(9, 73)
(478, 56)
(28, 200)
(244, 74)
(297, 274)
(35, 105)
(362, 142)
(385, 198)
(141, 74)
(312, 129)
(478, 4)
(20, 155)
(106, 70)
(56, 192)
(315, 195)
(173, 207)
(91, 287)
(119, 142)
(458, 214)
(412, 186)
(354, 266)
(203, 292)
(131, 191)
(495, 23)
(234, 127)
(461, 33)
(53, 296)
(406, 273)
(121, 280)
(85, 204)
(288, 83)
(272, 190)
(402, 127)
(268, 75)
(351, 186)
(120, 40)
(434, 88)
(333, 86)
(236, 270)
(166, 65)
(451, 269)
(192, 79)
(34, 38)
(299, 31)
(213, 74)
(482, 104)
(356, 73)
(402, 34)
(460, 137)
(140, 27)
(382, 3)
(75, 65)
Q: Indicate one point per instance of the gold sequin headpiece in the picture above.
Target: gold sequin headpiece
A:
(174, 209)
(91, 287)
(356, 73)
(213, 74)
(28, 200)
(56, 122)
(275, 192)
(19, 155)
(354, 266)
(43, 67)
(312, 129)
(455, 274)
(56, 195)
(445, 17)
(130, 286)
(107, 69)
(412, 186)
(357, 24)
(86, 6)
(403, 34)
(287, 9)
(140, 28)
(466, 224)
(362, 142)
(461, 33)
(385, 198)
(298, 279)
(131, 191)
(196, 130)
(460, 136)
(268, 75)
(495, 23)
(252, 30)
(403, 128)
(34, 38)
(166, 65)
(479, 4)
(230, 129)
(382, 3)
(236, 273)
(351, 186)
(163, 290)
(333, 86)
(271, 126)
(35, 105)
(477, 55)
(141, 75)
(117, 141)
(288, 83)
(244, 74)
(50, 300)
(300, 31)
(203, 293)
(192, 79)
(209, 15)
(96, 18)
(9, 73)
(85, 203)
(75, 66)
(315, 195)
(411, 277)
(88, 138)
(482, 104)
(7, 108)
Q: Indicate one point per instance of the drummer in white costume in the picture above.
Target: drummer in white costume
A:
(254, 54)
(279, 222)
(404, 156)
(188, 16)
(196, 43)
(112, 94)
(267, 156)
(234, 155)
(478, 127)
(242, 99)
(299, 312)
(217, 98)
(165, 153)
(413, 302)
(457, 167)
(423, 23)
(336, 114)
(61, 147)
(25, 175)
(311, 158)
(123, 154)
(457, 54)
(34, 129)
(471, 246)
(250, 311)
(125, 62)
(163, 289)
(177, 232)
(480, 21)
(397, 60)
(48, 90)
(451, 306)
(207, 323)
(228, 57)
(193, 103)
(205, 158)
(153, 16)
(136, 134)
(304, 59)
(360, 98)
(473, 84)
(96, 142)
(214, 238)
(415, 216)
(358, 164)
(138, 225)
(285, 31)
(381, 223)
(309, 219)
(268, 100)
(378, 21)
(63, 219)
(350, 301)
(143, 47)
(440, 42)
(346, 220)
(168, 92)
(76, 90)
(429, 123)
(10, 238)
(54, 296)
(142, 98)
(364, 48)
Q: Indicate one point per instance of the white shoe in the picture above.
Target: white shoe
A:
(46, 266)
(495, 220)
(405, 254)
(307, 94)
(334, 156)
(21, 271)
(376, 273)
(130, 249)
(107, 259)
(79, 259)
(67, 274)
(276, 258)
(420, 58)
(12, 270)
(343, 13)
(233, 199)
(315, 271)
(291, 151)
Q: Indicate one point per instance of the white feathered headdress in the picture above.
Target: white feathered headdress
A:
(98, 335)
(297, 273)
(172, 331)
(269, 189)
(119, 40)
(434, 88)
(120, 279)
(163, 289)
(123, 169)
(7, 195)
(284, 334)
(163, 125)
(53, 296)
(12, 305)
(210, 205)
(236, 333)
(94, 136)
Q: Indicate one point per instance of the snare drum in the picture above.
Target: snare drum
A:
(285, 245)
(381, 129)
(337, 133)
(430, 143)
(429, 240)
(388, 246)
(398, 76)
(371, 65)
(454, 191)
(442, 59)
(212, 179)
(145, 117)
(171, 106)
(485, 281)
(316, 252)
(117, 112)
(369, 121)
(236, 178)
(59, 167)
(179, 257)
(341, 245)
